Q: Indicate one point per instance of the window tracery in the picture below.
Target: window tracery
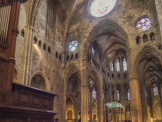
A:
(128, 94)
(155, 90)
(124, 64)
(94, 93)
(100, 8)
(118, 65)
(112, 66)
(143, 24)
(93, 49)
(118, 95)
(72, 46)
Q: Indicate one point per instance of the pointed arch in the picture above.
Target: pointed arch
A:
(71, 69)
(47, 85)
(146, 53)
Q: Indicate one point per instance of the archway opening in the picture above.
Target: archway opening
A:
(38, 82)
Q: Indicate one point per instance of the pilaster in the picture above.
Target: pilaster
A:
(84, 94)
(158, 4)
(101, 114)
(27, 54)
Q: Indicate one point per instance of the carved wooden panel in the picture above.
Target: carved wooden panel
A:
(47, 102)
(2, 72)
(31, 97)
(36, 100)
(24, 98)
(41, 119)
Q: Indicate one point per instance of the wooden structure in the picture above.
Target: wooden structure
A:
(18, 103)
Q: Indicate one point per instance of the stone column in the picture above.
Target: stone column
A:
(121, 64)
(135, 100)
(115, 94)
(101, 98)
(26, 71)
(110, 93)
(91, 105)
(76, 112)
(122, 95)
(84, 95)
(158, 4)
(64, 101)
(123, 101)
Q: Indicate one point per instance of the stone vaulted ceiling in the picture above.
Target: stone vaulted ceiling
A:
(117, 29)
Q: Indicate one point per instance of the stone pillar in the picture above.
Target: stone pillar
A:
(121, 64)
(123, 101)
(110, 93)
(64, 101)
(101, 99)
(135, 100)
(27, 54)
(115, 94)
(84, 95)
(158, 4)
(91, 105)
(76, 112)
(122, 95)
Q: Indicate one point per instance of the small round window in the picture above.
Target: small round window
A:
(143, 24)
(72, 46)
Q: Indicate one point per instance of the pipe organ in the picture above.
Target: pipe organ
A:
(9, 14)
(4, 24)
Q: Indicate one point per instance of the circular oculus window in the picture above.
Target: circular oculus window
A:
(100, 8)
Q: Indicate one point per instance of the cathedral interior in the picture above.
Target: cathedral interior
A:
(80, 60)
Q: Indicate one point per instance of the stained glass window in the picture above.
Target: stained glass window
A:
(93, 49)
(128, 94)
(143, 24)
(118, 95)
(94, 93)
(145, 92)
(124, 65)
(73, 45)
(91, 84)
(99, 8)
(112, 66)
(155, 90)
(118, 65)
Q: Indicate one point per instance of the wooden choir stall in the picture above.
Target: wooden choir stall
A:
(18, 103)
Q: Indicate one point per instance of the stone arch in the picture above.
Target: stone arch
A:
(33, 13)
(148, 68)
(94, 76)
(72, 68)
(114, 38)
(46, 82)
(72, 85)
(94, 91)
(107, 27)
(147, 51)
